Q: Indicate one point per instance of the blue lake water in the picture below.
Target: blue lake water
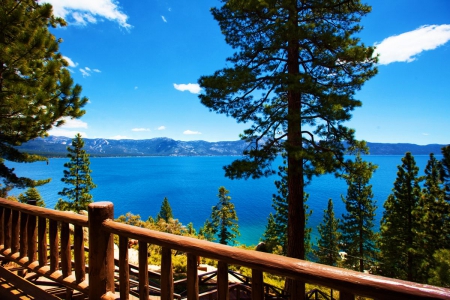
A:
(139, 184)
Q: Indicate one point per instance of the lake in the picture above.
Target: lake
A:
(139, 184)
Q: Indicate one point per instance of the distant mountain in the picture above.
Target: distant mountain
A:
(57, 146)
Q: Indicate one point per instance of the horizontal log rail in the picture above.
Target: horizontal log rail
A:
(24, 234)
(352, 282)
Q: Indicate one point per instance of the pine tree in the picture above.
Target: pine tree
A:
(224, 220)
(327, 251)
(399, 225)
(32, 194)
(36, 90)
(445, 171)
(275, 235)
(294, 76)
(358, 236)
(432, 213)
(78, 176)
(440, 274)
(166, 211)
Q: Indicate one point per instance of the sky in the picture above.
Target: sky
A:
(138, 62)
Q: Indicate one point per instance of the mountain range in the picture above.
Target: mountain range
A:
(56, 146)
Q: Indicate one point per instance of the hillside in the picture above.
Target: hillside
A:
(57, 146)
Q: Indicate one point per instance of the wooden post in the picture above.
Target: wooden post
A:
(257, 285)
(31, 235)
(222, 281)
(2, 234)
(78, 242)
(192, 277)
(15, 231)
(101, 251)
(7, 227)
(124, 268)
(54, 247)
(166, 274)
(42, 239)
(23, 235)
(66, 257)
(143, 271)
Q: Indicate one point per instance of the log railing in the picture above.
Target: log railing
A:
(18, 242)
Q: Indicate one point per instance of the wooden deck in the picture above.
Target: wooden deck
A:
(39, 240)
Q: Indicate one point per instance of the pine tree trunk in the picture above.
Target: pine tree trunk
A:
(296, 213)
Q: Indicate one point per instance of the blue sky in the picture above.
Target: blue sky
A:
(139, 61)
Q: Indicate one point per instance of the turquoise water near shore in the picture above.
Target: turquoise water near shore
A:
(139, 184)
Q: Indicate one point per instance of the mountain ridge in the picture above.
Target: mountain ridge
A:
(56, 146)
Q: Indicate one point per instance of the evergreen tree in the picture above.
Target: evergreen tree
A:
(166, 211)
(224, 220)
(32, 194)
(358, 237)
(36, 90)
(328, 244)
(433, 214)
(399, 225)
(276, 230)
(294, 76)
(445, 171)
(78, 176)
(440, 274)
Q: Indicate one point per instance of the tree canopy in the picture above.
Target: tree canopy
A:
(78, 177)
(399, 226)
(293, 76)
(224, 220)
(36, 89)
(357, 226)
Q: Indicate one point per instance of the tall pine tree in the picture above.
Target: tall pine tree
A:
(78, 177)
(399, 225)
(445, 171)
(433, 214)
(36, 89)
(358, 236)
(328, 244)
(294, 76)
(224, 220)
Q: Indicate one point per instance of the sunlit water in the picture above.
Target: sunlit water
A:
(139, 185)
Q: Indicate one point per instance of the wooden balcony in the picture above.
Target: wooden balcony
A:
(39, 240)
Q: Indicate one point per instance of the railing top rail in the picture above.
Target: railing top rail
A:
(333, 277)
(63, 216)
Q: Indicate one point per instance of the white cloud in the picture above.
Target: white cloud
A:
(67, 129)
(70, 62)
(425, 134)
(119, 137)
(140, 129)
(406, 46)
(73, 123)
(89, 11)
(191, 132)
(164, 19)
(85, 73)
(135, 87)
(161, 127)
(194, 88)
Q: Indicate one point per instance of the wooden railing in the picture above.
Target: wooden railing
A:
(26, 240)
